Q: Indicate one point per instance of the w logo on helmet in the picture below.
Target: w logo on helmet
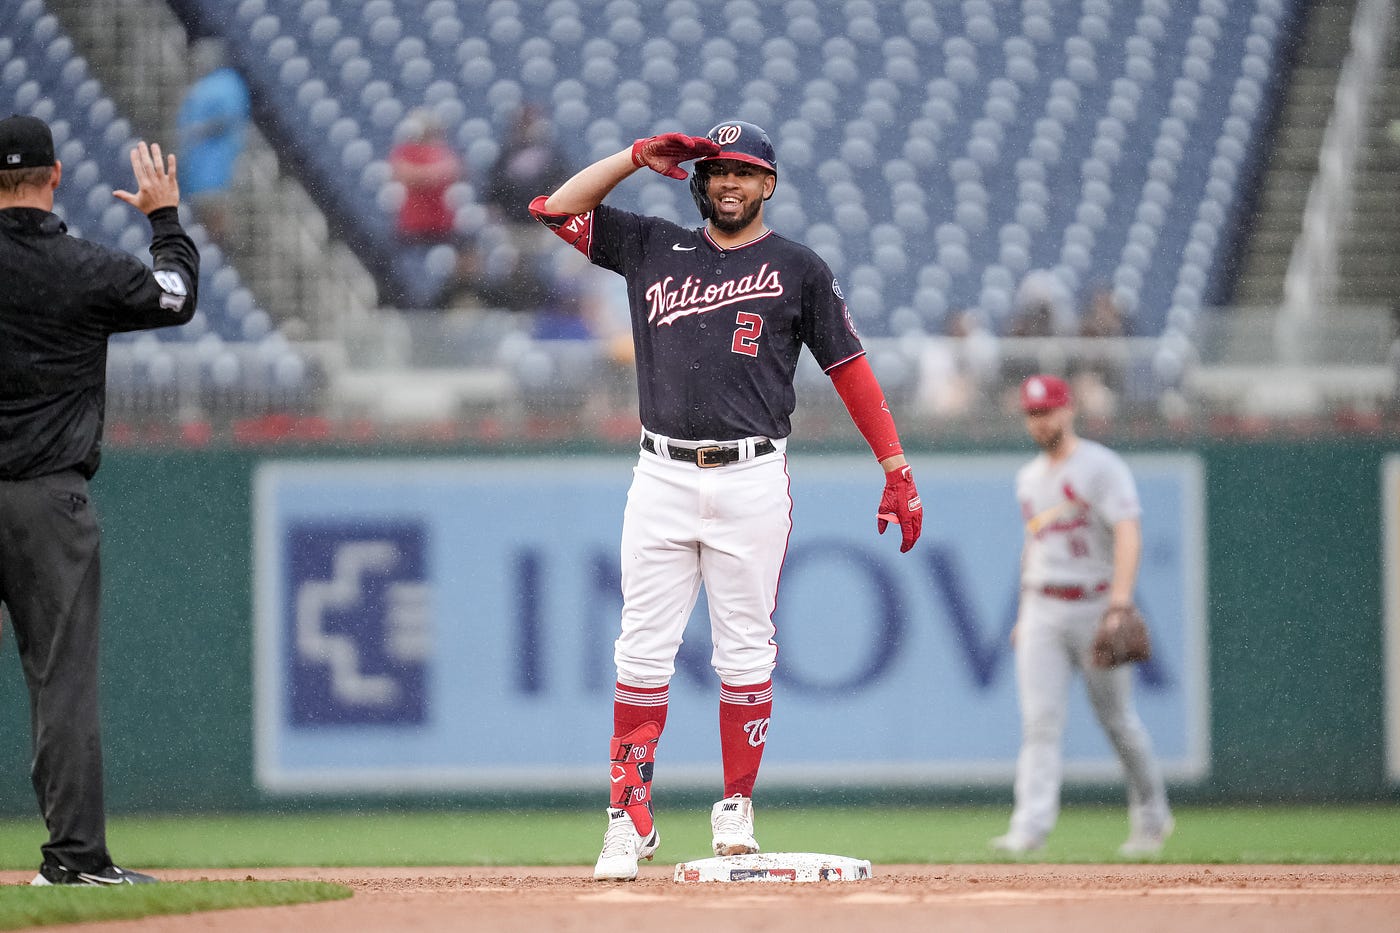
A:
(744, 142)
(725, 135)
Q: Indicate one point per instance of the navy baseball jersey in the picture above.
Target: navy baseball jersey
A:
(717, 331)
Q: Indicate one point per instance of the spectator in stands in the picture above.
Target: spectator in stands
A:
(953, 372)
(1102, 317)
(531, 161)
(516, 266)
(211, 127)
(585, 303)
(1042, 308)
(1097, 378)
(426, 166)
(492, 271)
(577, 371)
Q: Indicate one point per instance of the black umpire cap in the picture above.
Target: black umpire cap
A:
(25, 142)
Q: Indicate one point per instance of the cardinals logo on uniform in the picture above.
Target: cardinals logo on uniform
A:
(1067, 515)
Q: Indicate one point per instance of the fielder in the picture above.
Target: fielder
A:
(1079, 564)
(719, 316)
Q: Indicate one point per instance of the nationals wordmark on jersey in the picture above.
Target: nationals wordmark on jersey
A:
(665, 304)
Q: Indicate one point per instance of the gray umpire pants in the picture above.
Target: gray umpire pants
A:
(50, 586)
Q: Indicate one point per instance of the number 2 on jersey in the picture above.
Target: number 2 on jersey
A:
(746, 334)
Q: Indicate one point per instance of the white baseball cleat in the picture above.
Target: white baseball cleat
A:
(731, 820)
(623, 847)
(1147, 843)
(1014, 843)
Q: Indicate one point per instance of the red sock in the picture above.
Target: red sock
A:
(633, 749)
(633, 706)
(743, 730)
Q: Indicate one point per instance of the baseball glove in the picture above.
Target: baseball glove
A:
(1122, 638)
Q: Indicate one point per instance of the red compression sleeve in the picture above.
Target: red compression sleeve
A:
(856, 384)
(574, 229)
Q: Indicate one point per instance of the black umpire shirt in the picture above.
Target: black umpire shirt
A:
(61, 297)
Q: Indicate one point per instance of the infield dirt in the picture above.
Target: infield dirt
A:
(975, 898)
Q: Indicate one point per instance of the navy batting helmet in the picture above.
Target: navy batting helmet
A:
(740, 141)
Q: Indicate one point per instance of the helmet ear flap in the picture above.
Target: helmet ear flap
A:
(700, 192)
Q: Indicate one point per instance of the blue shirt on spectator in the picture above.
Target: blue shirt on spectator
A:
(211, 124)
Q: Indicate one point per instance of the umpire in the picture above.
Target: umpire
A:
(60, 299)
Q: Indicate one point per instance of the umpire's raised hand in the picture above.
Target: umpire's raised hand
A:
(156, 185)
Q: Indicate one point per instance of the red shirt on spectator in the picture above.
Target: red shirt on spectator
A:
(426, 167)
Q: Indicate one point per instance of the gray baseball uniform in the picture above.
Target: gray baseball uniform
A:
(1069, 509)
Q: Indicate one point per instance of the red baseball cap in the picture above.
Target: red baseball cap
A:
(1042, 393)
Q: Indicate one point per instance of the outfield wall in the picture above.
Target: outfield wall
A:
(474, 596)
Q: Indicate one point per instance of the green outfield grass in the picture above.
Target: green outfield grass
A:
(934, 835)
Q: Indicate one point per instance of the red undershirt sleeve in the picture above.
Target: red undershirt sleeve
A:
(860, 391)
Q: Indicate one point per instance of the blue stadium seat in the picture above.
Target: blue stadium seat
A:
(42, 74)
(1113, 104)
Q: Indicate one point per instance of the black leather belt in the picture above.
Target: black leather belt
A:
(711, 455)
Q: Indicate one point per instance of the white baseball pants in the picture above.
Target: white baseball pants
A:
(727, 527)
(1053, 640)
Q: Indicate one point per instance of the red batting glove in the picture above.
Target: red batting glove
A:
(666, 152)
(900, 504)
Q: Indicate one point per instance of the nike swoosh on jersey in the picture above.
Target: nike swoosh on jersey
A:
(681, 249)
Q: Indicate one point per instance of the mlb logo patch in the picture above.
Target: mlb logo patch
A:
(13, 158)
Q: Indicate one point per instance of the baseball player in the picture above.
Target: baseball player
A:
(719, 316)
(1082, 545)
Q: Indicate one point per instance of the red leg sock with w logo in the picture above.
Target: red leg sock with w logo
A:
(639, 716)
(743, 730)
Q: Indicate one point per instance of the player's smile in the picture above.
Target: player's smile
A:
(731, 214)
(727, 191)
(736, 190)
